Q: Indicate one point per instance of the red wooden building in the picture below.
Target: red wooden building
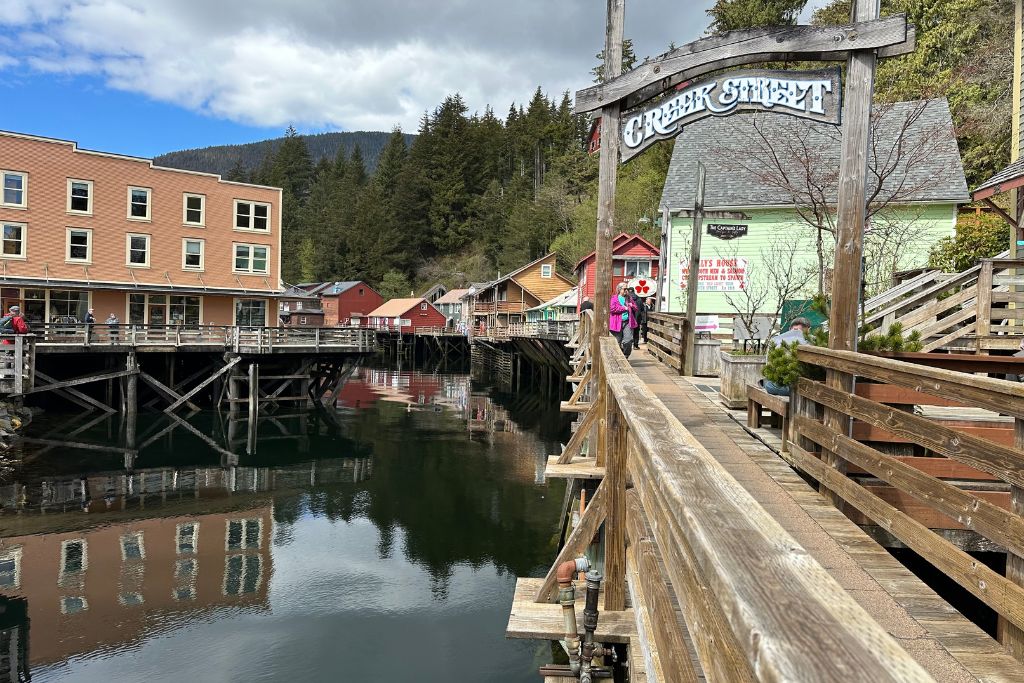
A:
(405, 315)
(343, 303)
(632, 257)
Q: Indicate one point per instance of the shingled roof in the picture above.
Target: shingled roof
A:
(933, 172)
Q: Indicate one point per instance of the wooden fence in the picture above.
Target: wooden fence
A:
(666, 338)
(17, 363)
(957, 453)
(757, 607)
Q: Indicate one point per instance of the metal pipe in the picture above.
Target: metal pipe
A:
(587, 651)
(567, 598)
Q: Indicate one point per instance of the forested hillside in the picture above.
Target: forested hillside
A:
(473, 194)
(236, 160)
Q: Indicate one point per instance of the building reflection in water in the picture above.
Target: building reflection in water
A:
(102, 559)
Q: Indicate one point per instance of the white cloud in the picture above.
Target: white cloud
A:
(326, 63)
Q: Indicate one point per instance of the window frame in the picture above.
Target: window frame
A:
(148, 218)
(550, 269)
(24, 189)
(63, 555)
(140, 540)
(184, 255)
(67, 246)
(195, 539)
(252, 216)
(91, 198)
(251, 247)
(14, 554)
(244, 545)
(24, 241)
(185, 196)
(128, 250)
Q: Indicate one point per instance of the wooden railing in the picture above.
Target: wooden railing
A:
(17, 363)
(756, 605)
(230, 337)
(666, 334)
(827, 454)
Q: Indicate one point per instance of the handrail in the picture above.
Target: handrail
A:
(758, 606)
(815, 439)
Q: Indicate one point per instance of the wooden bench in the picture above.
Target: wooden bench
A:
(778, 406)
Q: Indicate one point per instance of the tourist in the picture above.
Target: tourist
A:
(797, 332)
(112, 322)
(640, 317)
(587, 304)
(648, 309)
(12, 323)
(90, 320)
(620, 319)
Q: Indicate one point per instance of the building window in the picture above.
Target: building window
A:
(545, 270)
(360, 291)
(137, 251)
(251, 312)
(638, 268)
(139, 203)
(302, 320)
(130, 599)
(185, 310)
(73, 605)
(188, 539)
(194, 209)
(74, 556)
(244, 534)
(251, 258)
(68, 305)
(503, 293)
(10, 568)
(254, 216)
(132, 547)
(192, 254)
(423, 306)
(15, 189)
(80, 196)
(617, 269)
(241, 574)
(184, 593)
(14, 240)
(79, 245)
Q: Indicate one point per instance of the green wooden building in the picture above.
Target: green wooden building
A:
(772, 180)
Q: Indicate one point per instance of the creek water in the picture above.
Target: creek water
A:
(377, 542)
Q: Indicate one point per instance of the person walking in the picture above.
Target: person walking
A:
(112, 331)
(621, 319)
(640, 317)
(648, 308)
(90, 320)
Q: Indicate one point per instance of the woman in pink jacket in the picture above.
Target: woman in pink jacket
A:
(621, 317)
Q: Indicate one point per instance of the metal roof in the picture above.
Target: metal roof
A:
(453, 296)
(566, 299)
(931, 172)
(396, 307)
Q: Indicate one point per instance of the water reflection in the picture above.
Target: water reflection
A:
(414, 503)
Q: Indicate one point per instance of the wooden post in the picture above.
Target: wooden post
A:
(254, 394)
(132, 384)
(608, 176)
(19, 364)
(1010, 635)
(983, 301)
(615, 520)
(851, 214)
(692, 279)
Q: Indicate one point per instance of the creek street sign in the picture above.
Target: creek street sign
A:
(813, 95)
(726, 231)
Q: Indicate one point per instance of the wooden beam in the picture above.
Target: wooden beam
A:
(747, 47)
(64, 384)
(57, 443)
(199, 387)
(162, 388)
(76, 396)
(974, 513)
(203, 437)
(615, 517)
(1012, 635)
(583, 432)
(999, 210)
(1001, 461)
(577, 542)
(693, 277)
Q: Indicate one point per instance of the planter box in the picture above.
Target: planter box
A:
(737, 372)
(706, 357)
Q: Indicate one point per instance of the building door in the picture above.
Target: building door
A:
(157, 307)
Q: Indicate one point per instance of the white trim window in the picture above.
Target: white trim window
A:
(242, 574)
(133, 547)
(252, 258)
(10, 568)
(193, 209)
(14, 235)
(193, 254)
(136, 250)
(243, 534)
(79, 245)
(73, 604)
(15, 187)
(187, 538)
(74, 556)
(545, 270)
(638, 269)
(140, 202)
(252, 216)
(80, 196)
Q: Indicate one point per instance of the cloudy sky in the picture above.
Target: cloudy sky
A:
(148, 76)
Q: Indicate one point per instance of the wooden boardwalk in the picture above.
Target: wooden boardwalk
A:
(940, 639)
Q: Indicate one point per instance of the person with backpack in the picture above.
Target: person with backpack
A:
(12, 323)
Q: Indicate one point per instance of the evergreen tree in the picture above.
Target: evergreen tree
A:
(729, 15)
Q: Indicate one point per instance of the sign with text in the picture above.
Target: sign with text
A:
(717, 274)
(726, 231)
(808, 94)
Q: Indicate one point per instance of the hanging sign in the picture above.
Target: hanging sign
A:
(717, 274)
(813, 95)
(643, 286)
(726, 231)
